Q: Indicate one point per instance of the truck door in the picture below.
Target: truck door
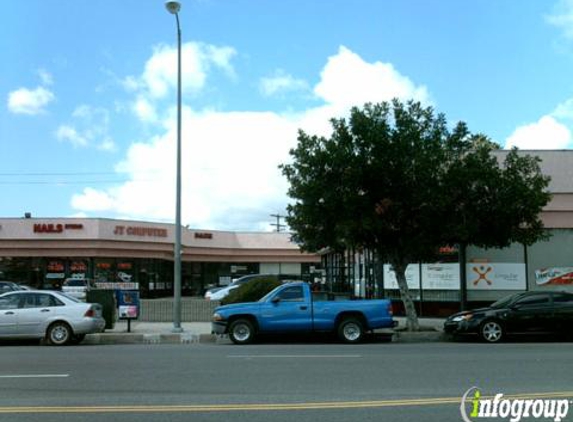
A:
(288, 310)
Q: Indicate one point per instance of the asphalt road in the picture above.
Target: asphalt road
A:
(272, 382)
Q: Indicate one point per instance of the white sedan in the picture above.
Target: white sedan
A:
(221, 293)
(54, 316)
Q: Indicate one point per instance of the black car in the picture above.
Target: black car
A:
(530, 312)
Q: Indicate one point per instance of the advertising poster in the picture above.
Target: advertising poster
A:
(441, 276)
(412, 277)
(554, 276)
(495, 276)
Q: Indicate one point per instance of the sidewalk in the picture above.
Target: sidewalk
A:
(200, 332)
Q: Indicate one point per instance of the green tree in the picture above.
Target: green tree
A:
(394, 179)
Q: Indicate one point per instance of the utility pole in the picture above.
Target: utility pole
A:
(278, 226)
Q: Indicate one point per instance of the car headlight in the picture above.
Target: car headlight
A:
(460, 318)
(218, 317)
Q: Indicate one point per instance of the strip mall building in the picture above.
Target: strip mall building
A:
(42, 252)
(490, 273)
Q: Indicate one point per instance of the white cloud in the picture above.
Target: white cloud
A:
(562, 17)
(90, 129)
(45, 77)
(92, 200)
(348, 80)
(564, 110)
(197, 59)
(107, 144)
(27, 101)
(231, 178)
(66, 133)
(145, 110)
(547, 133)
(280, 83)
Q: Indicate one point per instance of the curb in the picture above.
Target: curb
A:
(194, 338)
(418, 337)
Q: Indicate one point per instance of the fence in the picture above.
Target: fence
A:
(192, 310)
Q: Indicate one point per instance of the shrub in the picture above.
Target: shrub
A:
(251, 291)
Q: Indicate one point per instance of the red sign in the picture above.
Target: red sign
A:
(55, 267)
(55, 228)
(48, 228)
(200, 235)
(139, 231)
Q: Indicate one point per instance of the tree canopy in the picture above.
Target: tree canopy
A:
(395, 179)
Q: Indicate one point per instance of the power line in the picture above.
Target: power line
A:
(76, 182)
(58, 174)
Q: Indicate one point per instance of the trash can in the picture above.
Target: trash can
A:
(106, 298)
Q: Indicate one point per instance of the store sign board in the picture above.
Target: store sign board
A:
(55, 228)
(412, 277)
(140, 231)
(554, 276)
(496, 276)
(441, 276)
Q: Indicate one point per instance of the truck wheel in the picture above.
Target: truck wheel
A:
(59, 334)
(491, 331)
(241, 331)
(350, 330)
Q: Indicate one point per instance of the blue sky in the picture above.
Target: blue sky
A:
(87, 118)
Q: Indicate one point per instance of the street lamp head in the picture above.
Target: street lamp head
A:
(173, 7)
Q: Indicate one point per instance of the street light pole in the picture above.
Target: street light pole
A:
(173, 7)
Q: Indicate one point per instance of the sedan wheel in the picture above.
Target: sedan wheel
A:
(491, 331)
(59, 334)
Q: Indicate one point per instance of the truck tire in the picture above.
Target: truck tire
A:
(59, 334)
(350, 330)
(242, 331)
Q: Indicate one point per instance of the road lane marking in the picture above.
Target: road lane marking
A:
(35, 376)
(263, 406)
(295, 356)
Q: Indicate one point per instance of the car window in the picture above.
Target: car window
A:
(6, 287)
(533, 300)
(503, 302)
(75, 283)
(28, 301)
(9, 302)
(563, 299)
(291, 294)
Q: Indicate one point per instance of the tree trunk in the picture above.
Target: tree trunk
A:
(411, 315)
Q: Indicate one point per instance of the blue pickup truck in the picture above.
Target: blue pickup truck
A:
(291, 308)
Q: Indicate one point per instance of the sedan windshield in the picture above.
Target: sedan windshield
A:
(503, 302)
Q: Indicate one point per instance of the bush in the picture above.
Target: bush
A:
(251, 291)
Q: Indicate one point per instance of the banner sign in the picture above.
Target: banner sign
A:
(441, 276)
(495, 276)
(412, 277)
(554, 276)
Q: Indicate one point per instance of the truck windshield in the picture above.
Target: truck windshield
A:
(269, 294)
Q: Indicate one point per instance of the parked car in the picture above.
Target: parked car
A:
(58, 318)
(290, 308)
(76, 287)
(219, 293)
(522, 313)
(9, 286)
